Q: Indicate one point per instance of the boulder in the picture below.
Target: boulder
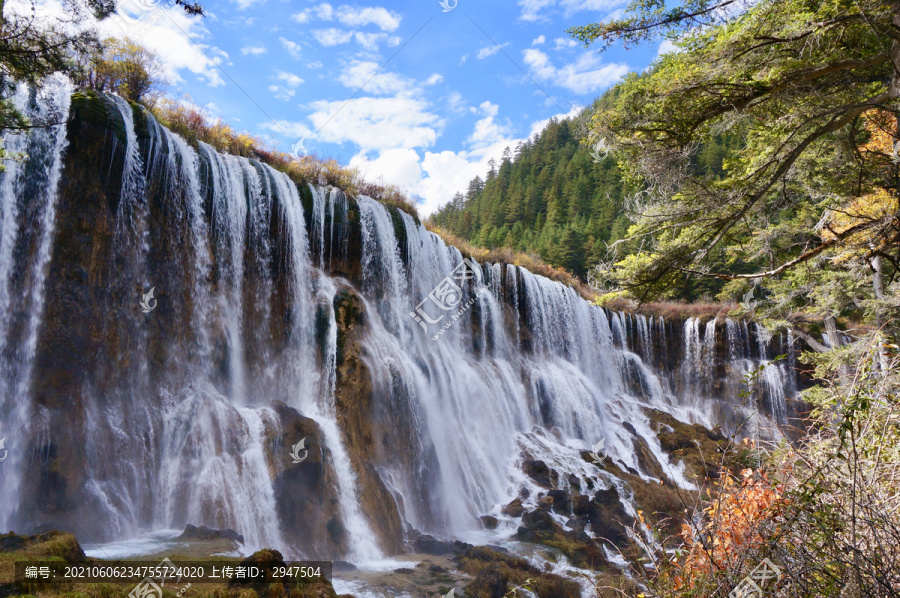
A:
(514, 508)
(202, 532)
(489, 522)
(542, 475)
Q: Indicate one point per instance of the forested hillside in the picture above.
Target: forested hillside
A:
(554, 197)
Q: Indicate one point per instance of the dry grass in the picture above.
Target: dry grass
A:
(504, 255)
(669, 309)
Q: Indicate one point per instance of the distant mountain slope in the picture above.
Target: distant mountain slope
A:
(553, 198)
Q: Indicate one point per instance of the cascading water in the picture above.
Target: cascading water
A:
(28, 193)
(280, 309)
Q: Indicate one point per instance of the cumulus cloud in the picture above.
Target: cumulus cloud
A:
(562, 43)
(539, 41)
(287, 84)
(293, 48)
(333, 37)
(254, 50)
(489, 51)
(362, 74)
(588, 74)
(351, 16)
(372, 124)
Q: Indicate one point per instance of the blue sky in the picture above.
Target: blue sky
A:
(408, 92)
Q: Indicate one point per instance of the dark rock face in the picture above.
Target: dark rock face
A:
(489, 522)
(354, 399)
(305, 492)
(426, 544)
(192, 532)
(497, 573)
(514, 508)
(541, 474)
(538, 526)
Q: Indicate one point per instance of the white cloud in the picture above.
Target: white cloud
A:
(398, 166)
(254, 50)
(438, 176)
(362, 73)
(487, 130)
(562, 43)
(289, 79)
(290, 82)
(332, 36)
(586, 75)
(315, 64)
(666, 47)
(434, 79)
(351, 16)
(377, 123)
(539, 41)
(360, 17)
(293, 48)
(489, 51)
(534, 10)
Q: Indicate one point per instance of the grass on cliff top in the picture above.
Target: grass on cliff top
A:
(505, 255)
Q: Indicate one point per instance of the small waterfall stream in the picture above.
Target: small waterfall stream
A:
(248, 344)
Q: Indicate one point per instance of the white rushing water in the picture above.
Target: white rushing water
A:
(523, 368)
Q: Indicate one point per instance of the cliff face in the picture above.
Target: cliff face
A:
(282, 311)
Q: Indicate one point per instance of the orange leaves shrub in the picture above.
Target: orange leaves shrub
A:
(732, 525)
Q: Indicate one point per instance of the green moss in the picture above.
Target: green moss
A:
(97, 109)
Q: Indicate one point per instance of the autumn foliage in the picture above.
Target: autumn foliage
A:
(731, 526)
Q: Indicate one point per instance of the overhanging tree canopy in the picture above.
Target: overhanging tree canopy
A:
(804, 82)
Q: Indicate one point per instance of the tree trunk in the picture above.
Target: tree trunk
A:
(880, 320)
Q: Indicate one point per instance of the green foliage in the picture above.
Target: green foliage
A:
(123, 67)
(803, 96)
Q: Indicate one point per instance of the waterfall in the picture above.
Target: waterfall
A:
(289, 312)
(28, 195)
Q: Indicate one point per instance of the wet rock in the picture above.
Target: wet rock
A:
(542, 475)
(343, 566)
(497, 573)
(306, 493)
(426, 544)
(539, 527)
(202, 532)
(560, 501)
(514, 508)
(545, 502)
(404, 571)
(608, 518)
(489, 522)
